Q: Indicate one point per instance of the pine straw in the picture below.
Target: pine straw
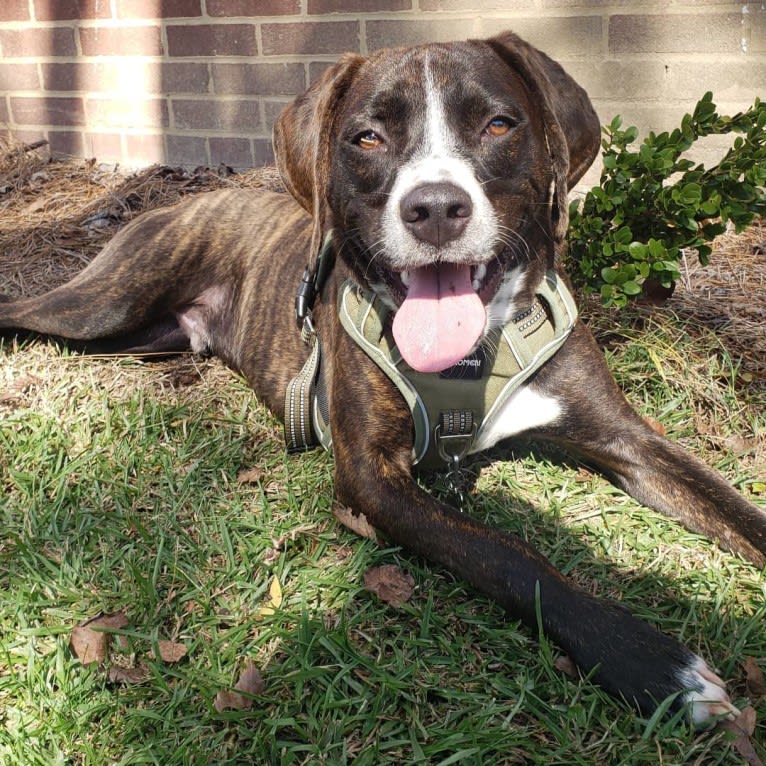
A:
(56, 215)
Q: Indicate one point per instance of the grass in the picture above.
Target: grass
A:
(120, 493)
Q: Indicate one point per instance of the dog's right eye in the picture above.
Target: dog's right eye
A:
(368, 140)
(498, 126)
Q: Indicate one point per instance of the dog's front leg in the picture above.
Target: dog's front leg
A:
(372, 443)
(595, 420)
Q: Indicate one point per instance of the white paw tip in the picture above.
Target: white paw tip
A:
(706, 693)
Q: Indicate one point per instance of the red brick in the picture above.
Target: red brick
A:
(272, 110)
(361, 6)
(576, 37)
(234, 152)
(14, 10)
(31, 43)
(121, 41)
(263, 152)
(188, 151)
(4, 116)
(159, 9)
(106, 76)
(137, 112)
(231, 116)
(388, 34)
(64, 10)
(65, 76)
(144, 149)
(185, 77)
(105, 147)
(66, 143)
(253, 7)
(478, 5)
(212, 40)
(310, 37)
(259, 79)
(18, 77)
(28, 137)
(53, 110)
(708, 33)
(317, 68)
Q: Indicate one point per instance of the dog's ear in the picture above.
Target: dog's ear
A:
(303, 136)
(572, 127)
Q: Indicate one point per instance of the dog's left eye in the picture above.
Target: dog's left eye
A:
(368, 140)
(498, 126)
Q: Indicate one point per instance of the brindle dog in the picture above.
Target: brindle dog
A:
(441, 172)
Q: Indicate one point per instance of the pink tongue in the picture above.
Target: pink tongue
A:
(441, 318)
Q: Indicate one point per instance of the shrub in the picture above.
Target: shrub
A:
(630, 232)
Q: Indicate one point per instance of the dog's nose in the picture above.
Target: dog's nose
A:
(436, 212)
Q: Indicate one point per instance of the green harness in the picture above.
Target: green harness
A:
(453, 409)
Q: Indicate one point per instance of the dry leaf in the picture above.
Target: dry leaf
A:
(355, 522)
(88, 640)
(275, 598)
(170, 651)
(566, 665)
(250, 683)
(275, 551)
(756, 686)
(136, 675)
(14, 393)
(742, 729)
(250, 475)
(390, 584)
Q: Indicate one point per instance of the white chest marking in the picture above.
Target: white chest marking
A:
(526, 409)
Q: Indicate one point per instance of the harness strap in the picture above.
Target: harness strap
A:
(299, 432)
(300, 393)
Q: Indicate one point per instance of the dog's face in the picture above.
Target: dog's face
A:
(444, 169)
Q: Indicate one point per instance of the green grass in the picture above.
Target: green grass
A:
(120, 493)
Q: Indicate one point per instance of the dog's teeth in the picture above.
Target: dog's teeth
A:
(479, 273)
(405, 277)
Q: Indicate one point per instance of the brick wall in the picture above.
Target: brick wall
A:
(201, 81)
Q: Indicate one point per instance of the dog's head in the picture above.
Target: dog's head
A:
(444, 169)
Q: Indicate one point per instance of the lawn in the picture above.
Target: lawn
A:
(161, 492)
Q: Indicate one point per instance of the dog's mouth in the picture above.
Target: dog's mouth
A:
(442, 316)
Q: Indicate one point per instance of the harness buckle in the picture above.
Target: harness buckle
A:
(453, 447)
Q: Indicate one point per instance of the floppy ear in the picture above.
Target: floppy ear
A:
(572, 127)
(303, 137)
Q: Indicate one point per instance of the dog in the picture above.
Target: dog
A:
(428, 194)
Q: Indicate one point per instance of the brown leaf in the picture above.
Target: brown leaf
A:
(88, 640)
(250, 684)
(15, 391)
(756, 686)
(742, 729)
(170, 651)
(390, 584)
(355, 522)
(136, 675)
(566, 665)
(250, 475)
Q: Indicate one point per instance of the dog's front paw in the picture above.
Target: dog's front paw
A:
(706, 693)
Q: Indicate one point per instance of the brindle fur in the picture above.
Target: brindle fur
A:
(221, 270)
